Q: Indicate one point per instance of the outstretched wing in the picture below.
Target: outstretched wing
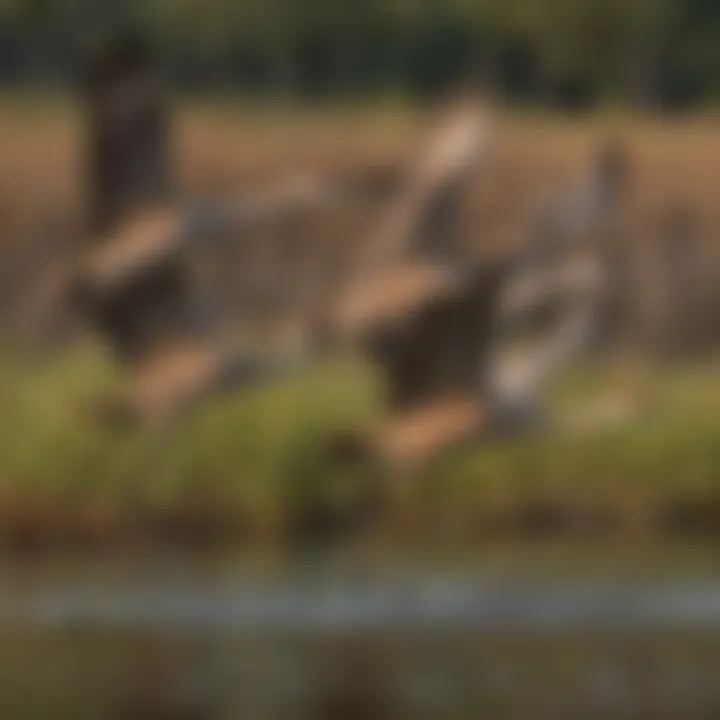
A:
(563, 276)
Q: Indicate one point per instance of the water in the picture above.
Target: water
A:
(517, 633)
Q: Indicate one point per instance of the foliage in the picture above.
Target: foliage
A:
(260, 454)
(575, 51)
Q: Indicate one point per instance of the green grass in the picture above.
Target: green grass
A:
(670, 445)
(261, 451)
(243, 443)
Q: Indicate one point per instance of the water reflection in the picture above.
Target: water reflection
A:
(480, 638)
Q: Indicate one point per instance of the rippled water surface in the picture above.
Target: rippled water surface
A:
(516, 633)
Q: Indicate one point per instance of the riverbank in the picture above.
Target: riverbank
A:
(252, 466)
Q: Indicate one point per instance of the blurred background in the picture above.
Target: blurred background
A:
(227, 564)
(554, 52)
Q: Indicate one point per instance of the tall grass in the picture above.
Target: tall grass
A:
(261, 453)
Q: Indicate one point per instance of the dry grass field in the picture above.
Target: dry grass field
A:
(671, 220)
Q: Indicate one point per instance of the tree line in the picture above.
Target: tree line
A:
(572, 52)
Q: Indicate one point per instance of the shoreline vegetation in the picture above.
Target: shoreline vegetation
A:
(251, 467)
